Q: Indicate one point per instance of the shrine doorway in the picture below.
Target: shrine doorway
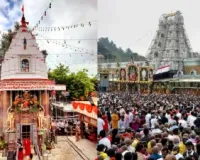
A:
(26, 131)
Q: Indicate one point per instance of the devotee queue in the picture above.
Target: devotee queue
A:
(148, 127)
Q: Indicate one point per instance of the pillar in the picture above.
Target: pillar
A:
(5, 106)
(1, 111)
(45, 104)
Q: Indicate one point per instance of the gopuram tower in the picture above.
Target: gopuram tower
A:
(170, 45)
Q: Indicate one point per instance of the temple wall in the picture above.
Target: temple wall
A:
(192, 64)
(188, 69)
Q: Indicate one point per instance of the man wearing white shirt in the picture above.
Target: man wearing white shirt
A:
(100, 124)
(172, 121)
(122, 111)
(126, 119)
(153, 121)
(168, 116)
(121, 125)
(104, 140)
(176, 151)
(147, 119)
(130, 117)
(179, 115)
(156, 130)
(190, 120)
(183, 123)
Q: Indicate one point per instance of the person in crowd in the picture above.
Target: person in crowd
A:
(176, 153)
(190, 151)
(62, 126)
(146, 135)
(136, 139)
(126, 119)
(170, 157)
(118, 156)
(165, 152)
(140, 152)
(106, 123)
(101, 152)
(114, 119)
(121, 125)
(20, 153)
(104, 140)
(155, 153)
(82, 128)
(135, 125)
(100, 123)
(154, 126)
(77, 131)
(111, 154)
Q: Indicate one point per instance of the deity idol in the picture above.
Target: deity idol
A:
(144, 74)
(132, 75)
(150, 74)
(123, 75)
(11, 120)
(40, 118)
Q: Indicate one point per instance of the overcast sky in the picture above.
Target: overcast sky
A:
(62, 13)
(133, 23)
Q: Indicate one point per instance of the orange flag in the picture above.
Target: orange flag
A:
(22, 8)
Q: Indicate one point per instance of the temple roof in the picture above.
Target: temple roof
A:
(23, 58)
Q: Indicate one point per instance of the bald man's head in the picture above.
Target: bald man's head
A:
(170, 157)
(153, 143)
(155, 149)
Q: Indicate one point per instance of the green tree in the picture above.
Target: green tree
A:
(7, 39)
(94, 80)
(78, 84)
(59, 74)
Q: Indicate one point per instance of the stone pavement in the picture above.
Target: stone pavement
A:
(2, 158)
(62, 151)
(87, 147)
(67, 148)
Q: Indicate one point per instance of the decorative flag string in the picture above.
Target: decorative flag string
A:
(57, 39)
(62, 28)
(70, 54)
(44, 14)
(65, 45)
(56, 42)
(43, 59)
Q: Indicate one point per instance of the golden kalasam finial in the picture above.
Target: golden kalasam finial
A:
(171, 14)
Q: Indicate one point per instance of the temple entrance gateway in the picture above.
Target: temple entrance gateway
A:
(26, 131)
